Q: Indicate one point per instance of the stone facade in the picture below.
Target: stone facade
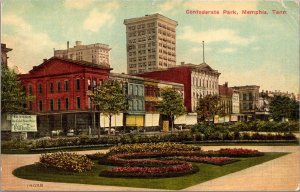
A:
(151, 43)
(198, 80)
(97, 53)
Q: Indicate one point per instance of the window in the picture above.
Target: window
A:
(58, 104)
(89, 84)
(77, 84)
(67, 103)
(141, 90)
(136, 90)
(130, 89)
(129, 105)
(29, 90)
(51, 105)
(78, 102)
(51, 87)
(40, 105)
(94, 83)
(40, 89)
(58, 87)
(66, 85)
(140, 105)
(30, 105)
(89, 103)
(134, 105)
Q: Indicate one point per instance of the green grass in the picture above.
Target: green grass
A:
(206, 172)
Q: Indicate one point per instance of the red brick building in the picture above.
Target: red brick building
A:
(226, 93)
(198, 80)
(60, 89)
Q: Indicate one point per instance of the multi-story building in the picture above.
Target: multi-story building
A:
(60, 88)
(4, 57)
(133, 88)
(151, 43)
(248, 96)
(225, 94)
(198, 80)
(235, 102)
(97, 53)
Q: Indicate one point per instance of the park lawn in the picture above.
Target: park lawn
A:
(206, 172)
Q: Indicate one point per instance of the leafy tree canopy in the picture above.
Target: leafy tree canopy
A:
(284, 107)
(208, 107)
(171, 104)
(109, 99)
(13, 95)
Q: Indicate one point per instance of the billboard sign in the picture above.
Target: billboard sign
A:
(23, 123)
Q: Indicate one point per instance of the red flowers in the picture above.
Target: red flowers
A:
(155, 161)
(184, 167)
(210, 160)
(239, 152)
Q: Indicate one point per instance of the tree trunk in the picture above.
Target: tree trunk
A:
(109, 130)
(99, 126)
(172, 124)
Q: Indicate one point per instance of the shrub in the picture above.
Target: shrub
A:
(152, 147)
(70, 162)
(96, 156)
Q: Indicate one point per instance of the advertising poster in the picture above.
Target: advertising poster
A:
(90, 92)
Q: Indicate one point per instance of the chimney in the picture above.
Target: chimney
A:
(182, 62)
(68, 44)
(226, 84)
(78, 43)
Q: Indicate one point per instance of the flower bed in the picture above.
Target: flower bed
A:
(96, 156)
(169, 171)
(152, 147)
(70, 162)
(209, 160)
(239, 152)
(141, 160)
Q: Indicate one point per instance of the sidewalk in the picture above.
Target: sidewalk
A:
(281, 174)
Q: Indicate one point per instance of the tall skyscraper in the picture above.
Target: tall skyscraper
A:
(97, 53)
(151, 43)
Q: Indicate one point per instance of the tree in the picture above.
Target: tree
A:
(109, 99)
(208, 107)
(171, 105)
(283, 107)
(13, 95)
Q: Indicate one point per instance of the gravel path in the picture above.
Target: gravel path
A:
(281, 174)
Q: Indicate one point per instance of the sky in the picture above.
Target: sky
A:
(246, 49)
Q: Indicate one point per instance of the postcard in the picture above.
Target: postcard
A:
(137, 95)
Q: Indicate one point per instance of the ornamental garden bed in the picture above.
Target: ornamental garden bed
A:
(156, 166)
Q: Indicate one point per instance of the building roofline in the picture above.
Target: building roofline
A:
(81, 63)
(147, 17)
(143, 78)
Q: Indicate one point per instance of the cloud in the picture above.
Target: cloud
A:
(29, 46)
(228, 50)
(97, 19)
(219, 35)
(268, 76)
(15, 21)
(170, 6)
(77, 4)
(175, 6)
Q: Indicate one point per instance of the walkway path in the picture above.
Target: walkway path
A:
(281, 174)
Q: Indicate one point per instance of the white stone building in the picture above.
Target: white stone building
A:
(97, 53)
(151, 43)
